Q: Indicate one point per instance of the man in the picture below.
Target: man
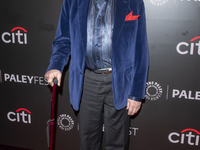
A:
(107, 43)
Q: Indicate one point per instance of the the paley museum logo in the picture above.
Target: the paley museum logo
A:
(153, 91)
(65, 122)
(16, 35)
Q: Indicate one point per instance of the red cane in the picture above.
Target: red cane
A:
(51, 121)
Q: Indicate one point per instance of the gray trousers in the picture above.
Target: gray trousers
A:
(97, 108)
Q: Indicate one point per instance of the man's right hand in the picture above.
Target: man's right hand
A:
(53, 74)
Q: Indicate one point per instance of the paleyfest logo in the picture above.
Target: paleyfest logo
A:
(189, 48)
(17, 35)
(189, 0)
(158, 2)
(132, 130)
(20, 115)
(163, 2)
(25, 79)
(153, 91)
(186, 94)
(187, 136)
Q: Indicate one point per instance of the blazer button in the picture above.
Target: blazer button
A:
(81, 72)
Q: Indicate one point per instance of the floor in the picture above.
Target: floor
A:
(3, 147)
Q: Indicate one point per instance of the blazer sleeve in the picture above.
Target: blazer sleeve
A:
(61, 49)
(141, 61)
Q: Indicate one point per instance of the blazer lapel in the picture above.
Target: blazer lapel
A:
(83, 6)
(121, 8)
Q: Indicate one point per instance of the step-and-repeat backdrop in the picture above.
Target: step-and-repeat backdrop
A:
(169, 118)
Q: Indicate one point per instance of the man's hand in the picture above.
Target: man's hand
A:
(53, 74)
(133, 106)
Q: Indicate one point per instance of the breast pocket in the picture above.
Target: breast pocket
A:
(130, 23)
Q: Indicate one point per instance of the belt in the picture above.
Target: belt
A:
(103, 71)
(107, 72)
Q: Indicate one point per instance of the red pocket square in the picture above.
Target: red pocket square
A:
(130, 17)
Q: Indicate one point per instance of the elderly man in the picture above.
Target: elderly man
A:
(107, 43)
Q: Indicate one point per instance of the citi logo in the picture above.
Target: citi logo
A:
(191, 48)
(187, 136)
(17, 35)
(20, 115)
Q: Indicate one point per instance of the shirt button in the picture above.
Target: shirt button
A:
(81, 72)
(98, 45)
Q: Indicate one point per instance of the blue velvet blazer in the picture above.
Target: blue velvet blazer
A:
(129, 49)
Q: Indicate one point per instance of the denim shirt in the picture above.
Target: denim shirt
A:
(100, 25)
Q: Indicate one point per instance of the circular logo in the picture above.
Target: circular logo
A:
(158, 2)
(65, 122)
(153, 91)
